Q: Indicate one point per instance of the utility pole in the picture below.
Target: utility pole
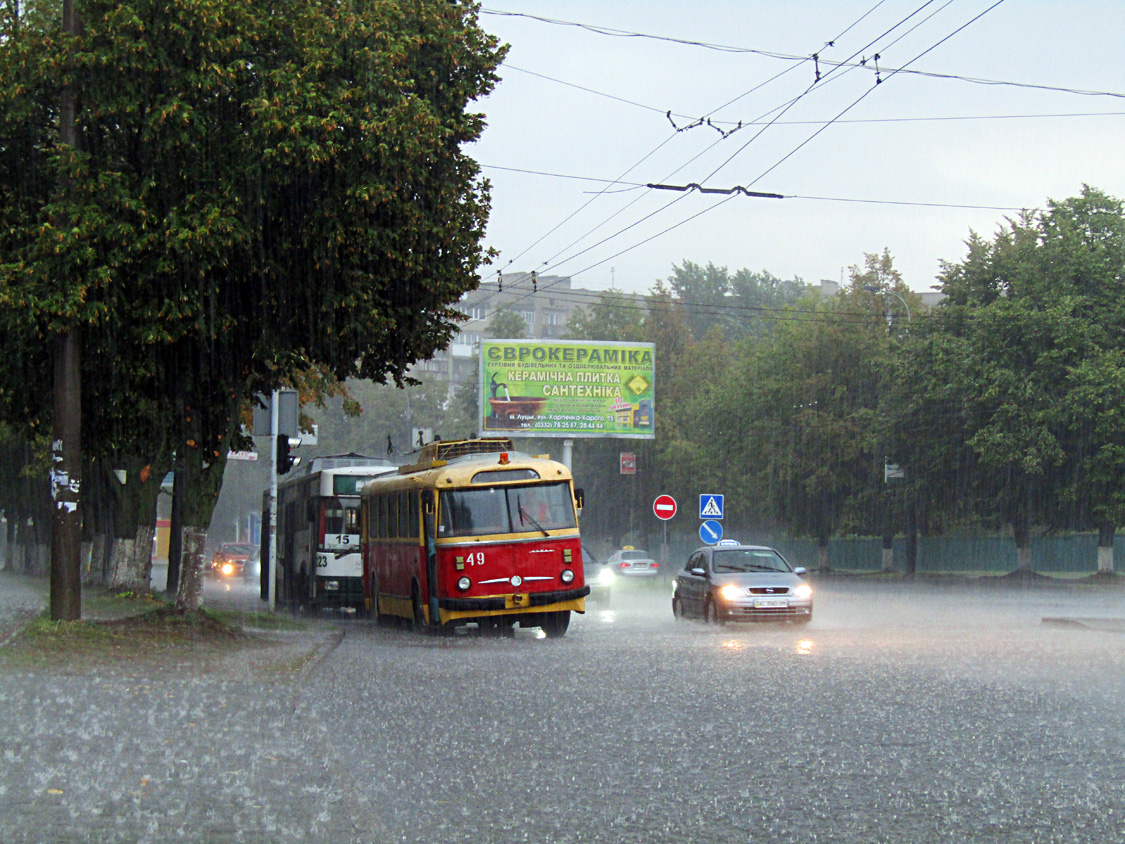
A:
(66, 442)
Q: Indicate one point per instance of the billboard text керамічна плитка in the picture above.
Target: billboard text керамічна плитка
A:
(567, 388)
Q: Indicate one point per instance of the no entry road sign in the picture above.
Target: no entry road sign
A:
(664, 507)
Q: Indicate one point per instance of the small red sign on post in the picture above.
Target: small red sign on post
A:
(664, 507)
(628, 463)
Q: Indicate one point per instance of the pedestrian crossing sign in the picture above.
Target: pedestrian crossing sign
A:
(710, 506)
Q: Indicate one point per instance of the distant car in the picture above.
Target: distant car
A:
(632, 562)
(733, 582)
(232, 559)
(599, 577)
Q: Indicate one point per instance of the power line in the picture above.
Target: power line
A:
(794, 150)
(773, 54)
(588, 202)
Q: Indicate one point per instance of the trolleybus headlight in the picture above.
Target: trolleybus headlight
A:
(464, 583)
(567, 576)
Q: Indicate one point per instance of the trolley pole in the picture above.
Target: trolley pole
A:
(273, 500)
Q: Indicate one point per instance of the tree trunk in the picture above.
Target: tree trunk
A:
(1106, 534)
(911, 534)
(189, 595)
(822, 553)
(888, 551)
(1021, 532)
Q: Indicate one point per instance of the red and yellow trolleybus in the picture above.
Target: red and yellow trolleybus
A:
(474, 532)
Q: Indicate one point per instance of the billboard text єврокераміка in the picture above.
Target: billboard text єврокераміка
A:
(567, 388)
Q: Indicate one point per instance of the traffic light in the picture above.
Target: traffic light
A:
(285, 460)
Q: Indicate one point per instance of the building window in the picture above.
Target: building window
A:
(528, 317)
(478, 311)
(553, 318)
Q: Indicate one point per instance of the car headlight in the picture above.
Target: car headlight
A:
(730, 592)
(228, 568)
(803, 591)
(606, 577)
(567, 576)
(464, 583)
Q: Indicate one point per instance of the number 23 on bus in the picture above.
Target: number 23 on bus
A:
(474, 533)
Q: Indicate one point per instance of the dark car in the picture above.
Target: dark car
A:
(599, 577)
(232, 559)
(733, 582)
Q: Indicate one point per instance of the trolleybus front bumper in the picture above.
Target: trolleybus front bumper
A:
(500, 602)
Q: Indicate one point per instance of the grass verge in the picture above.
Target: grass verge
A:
(155, 639)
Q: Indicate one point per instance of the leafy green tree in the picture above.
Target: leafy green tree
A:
(257, 188)
(810, 399)
(1016, 378)
(506, 325)
(740, 304)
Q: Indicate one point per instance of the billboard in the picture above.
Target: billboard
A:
(567, 388)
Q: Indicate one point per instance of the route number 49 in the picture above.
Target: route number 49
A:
(475, 559)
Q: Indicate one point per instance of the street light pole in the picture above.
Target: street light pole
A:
(870, 288)
(912, 503)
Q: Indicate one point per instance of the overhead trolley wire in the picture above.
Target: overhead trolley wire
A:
(585, 205)
(744, 146)
(782, 112)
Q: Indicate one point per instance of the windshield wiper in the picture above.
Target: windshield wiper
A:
(523, 512)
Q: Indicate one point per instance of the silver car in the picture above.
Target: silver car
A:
(733, 582)
(632, 562)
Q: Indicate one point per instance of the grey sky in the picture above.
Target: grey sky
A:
(886, 148)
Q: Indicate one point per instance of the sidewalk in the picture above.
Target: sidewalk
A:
(164, 748)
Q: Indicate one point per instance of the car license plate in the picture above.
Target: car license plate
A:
(769, 603)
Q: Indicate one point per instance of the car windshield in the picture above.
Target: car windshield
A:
(634, 555)
(748, 559)
(237, 550)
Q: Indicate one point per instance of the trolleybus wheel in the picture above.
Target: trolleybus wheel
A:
(554, 624)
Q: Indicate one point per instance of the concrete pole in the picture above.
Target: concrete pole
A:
(273, 499)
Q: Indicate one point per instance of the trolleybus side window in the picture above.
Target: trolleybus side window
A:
(404, 517)
(392, 516)
(381, 517)
(412, 514)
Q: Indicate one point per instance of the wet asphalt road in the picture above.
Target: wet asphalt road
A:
(901, 714)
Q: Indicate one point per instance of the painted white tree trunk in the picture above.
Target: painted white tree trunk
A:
(1105, 559)
(888, 559)
(120, 563)
(1023, 559)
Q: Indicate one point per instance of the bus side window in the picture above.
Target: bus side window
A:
(412, 514)
(404, 515)
(382, 517)
(392, 516)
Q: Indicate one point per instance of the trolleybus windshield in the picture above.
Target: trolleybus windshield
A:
(506, 509)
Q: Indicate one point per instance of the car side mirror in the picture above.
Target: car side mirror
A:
(699, 572)
(800, 571)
